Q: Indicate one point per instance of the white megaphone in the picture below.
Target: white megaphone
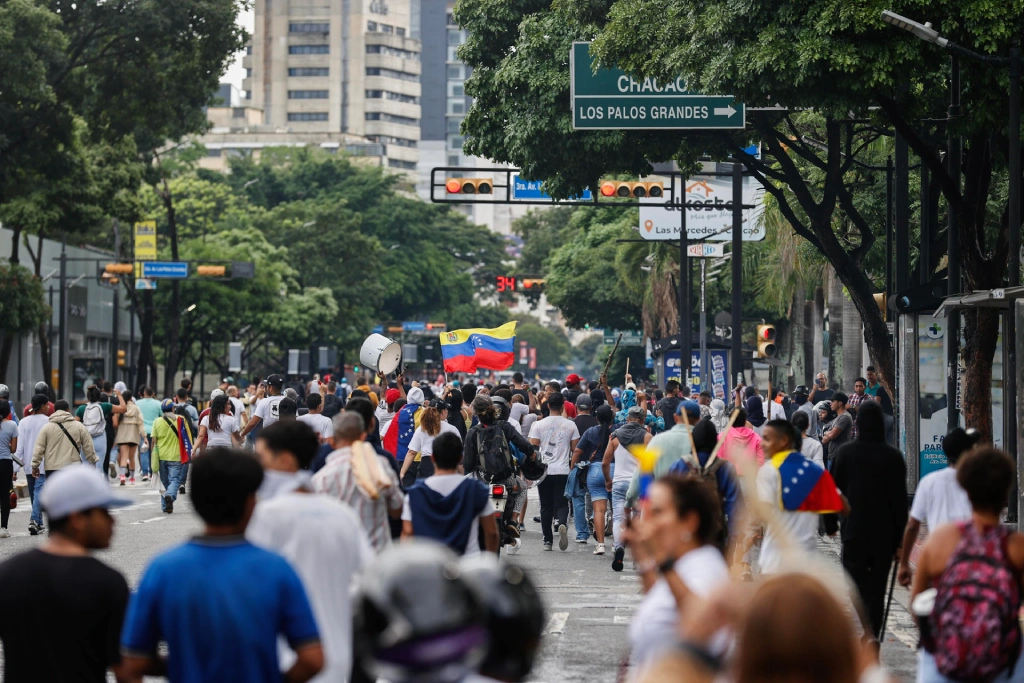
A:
(381, 354)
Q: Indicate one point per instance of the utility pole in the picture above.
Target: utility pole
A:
(61, 388)
(737, 271)
(113, 335)
(953, 248)
(685, 341)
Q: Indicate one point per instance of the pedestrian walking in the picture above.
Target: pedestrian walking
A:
(617, 480)
(268, 409)
(217, 627)
(448, 507)
(808, 446)
(151, 411)
(358, 477)
(555, 437)
(840, 430)
(433, 423)
(673, 545)
(939, 498)
(62, 441)
(128, 436)
(313, 532)
(94, 415)
(28, 433)
(590, 450)
(873, 477)
(972, 632)
(315, 419)
(69, 605)
(8, 446)
(172, 450)
(219, 428)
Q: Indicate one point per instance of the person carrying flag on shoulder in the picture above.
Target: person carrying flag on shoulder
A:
(172, 449)
(797, 490)
(403, 426)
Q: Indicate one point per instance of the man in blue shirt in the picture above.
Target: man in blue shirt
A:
(218, 601)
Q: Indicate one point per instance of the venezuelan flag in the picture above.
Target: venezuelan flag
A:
(467, 350)
(806, 486)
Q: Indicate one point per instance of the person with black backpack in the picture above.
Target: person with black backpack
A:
(488, 454)
(967, 588)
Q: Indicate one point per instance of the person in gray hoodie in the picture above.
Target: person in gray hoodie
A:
(61, 442)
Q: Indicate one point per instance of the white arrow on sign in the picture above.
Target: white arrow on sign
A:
(725, 111)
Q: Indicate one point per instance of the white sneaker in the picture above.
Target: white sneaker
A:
(599, 550)
(4, 533)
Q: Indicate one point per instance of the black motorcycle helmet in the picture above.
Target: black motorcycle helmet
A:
(41, 388)
(533, 469)
(416, 619)
(515, 616)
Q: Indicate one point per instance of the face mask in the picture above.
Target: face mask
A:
(276, 483)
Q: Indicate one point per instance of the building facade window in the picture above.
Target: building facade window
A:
(456, 105)
(248, 49)
(238, 113)
(398, 163)
(391, 140)
(310, 71)
(392, 52)
(307, 116)
(393, 96)
(248, 73)
(307, 94)
(309, 49)
(371, 26)
(213, 152)
(391, 118)
(456, 89)
(309, 27)
(399, 31)
(384, 28)
(453, 54)
(456, 37)
(455, 72)
(391, 73)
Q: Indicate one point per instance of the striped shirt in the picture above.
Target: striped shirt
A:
(336, 479)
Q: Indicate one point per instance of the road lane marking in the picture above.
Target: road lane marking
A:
(147, 521)
(556, 624)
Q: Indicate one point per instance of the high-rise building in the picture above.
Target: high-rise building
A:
(338, 66)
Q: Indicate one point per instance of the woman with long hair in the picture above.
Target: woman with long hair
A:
(593, 443)
(433, 423)
(673, 545)
(219, 428)
(128, 437)
(456, 413)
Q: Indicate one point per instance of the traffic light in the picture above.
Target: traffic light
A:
(120, 358)
(766, 341)
(533, 285)
(634, 190)
(437, 327)
(211, 271)
(119, 268)
(469, 186)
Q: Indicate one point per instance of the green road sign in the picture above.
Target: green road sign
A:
(629, 337)
(610, 99)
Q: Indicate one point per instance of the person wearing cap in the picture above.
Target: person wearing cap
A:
(939, 498)
(167, 452)
(633, 433)
(268, 410)
(572, 388)
(584, 413)
(47, 409)
(219, 625)
(672, 446)
(69, 618)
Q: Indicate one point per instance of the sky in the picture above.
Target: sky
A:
(236, 72)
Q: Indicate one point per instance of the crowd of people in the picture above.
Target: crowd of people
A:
(392, 484)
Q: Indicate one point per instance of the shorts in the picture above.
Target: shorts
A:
(595, 483)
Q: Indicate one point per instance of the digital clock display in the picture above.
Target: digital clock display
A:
(506, 284)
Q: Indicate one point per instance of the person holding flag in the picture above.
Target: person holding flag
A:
(172, 449)
(796, 490)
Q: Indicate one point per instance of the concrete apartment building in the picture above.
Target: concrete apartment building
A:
(341, 67)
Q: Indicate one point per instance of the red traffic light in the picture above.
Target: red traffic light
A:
(607, 189)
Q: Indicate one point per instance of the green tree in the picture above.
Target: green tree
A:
(22, 304)
(552, 347)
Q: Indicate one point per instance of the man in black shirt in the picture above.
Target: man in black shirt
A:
(69, 606)
(667, 406)
(584, 419)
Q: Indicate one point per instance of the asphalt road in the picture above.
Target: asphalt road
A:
(589, 607)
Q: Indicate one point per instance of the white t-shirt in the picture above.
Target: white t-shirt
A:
(269, 410)
(625, 464)
(320, 424)
(228, 426)
(654, 628)
(384, 418)
(423, 443)
(939, 499)
(237, 407)
(776, 412)
(445, 484)
(28, 434)
(323, 539)
(800, 527)
(813, 450)
(556, 434)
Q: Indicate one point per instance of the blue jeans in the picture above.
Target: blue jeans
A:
(100, 444)
(619, 489)
(579, 509)
(171, 477)
(144, 458)
(37, 511)
(595, 482)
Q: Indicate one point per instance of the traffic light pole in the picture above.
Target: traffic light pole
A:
(737, 271)
(685, 342)
(60, 389)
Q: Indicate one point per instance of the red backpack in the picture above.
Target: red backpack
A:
(975, 624)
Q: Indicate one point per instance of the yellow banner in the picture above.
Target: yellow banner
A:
(145, 241)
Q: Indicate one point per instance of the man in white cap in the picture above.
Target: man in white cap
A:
(69, 623)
